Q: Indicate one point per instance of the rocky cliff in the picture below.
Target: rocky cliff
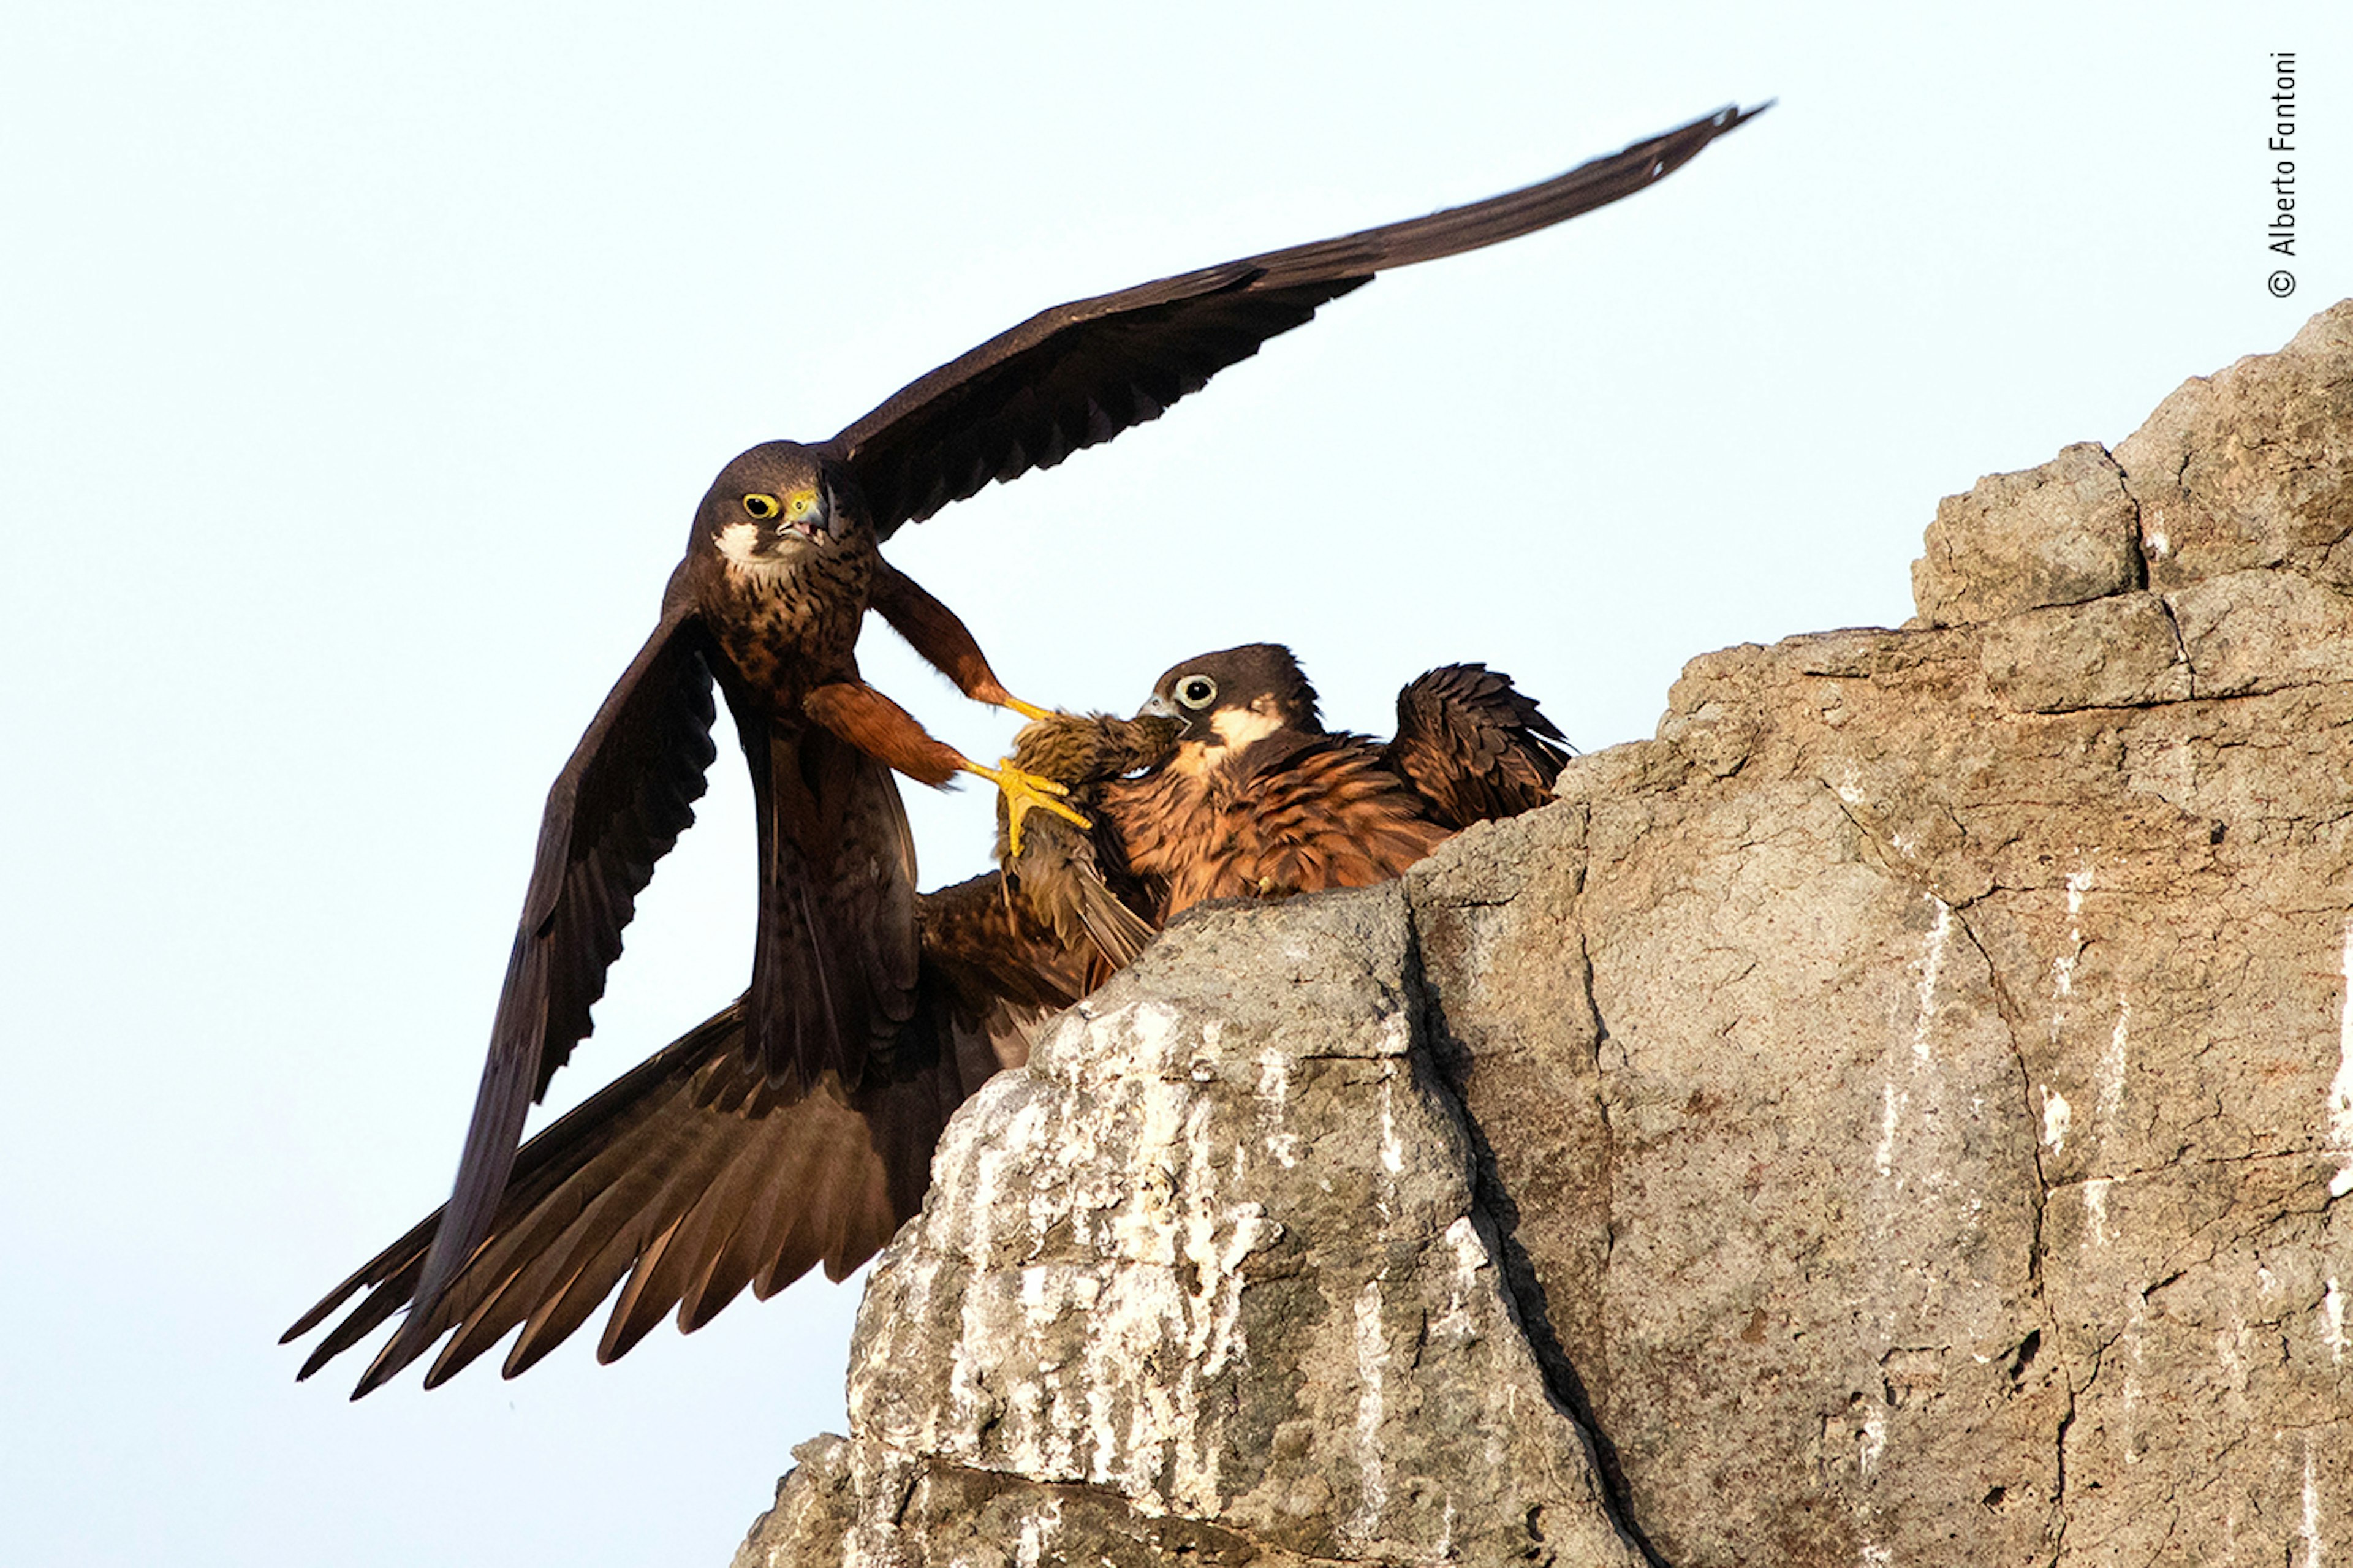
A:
(1897, 1115)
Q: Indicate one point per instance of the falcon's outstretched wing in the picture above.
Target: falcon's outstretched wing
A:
(1080, 373)
(616, 807)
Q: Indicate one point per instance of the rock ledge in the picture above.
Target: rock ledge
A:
(1897, 1114)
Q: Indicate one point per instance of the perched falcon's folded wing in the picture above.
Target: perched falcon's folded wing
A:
(1474, 746)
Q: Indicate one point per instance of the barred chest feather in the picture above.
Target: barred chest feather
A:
(787, 629)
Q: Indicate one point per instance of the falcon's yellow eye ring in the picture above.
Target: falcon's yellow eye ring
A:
(764, 507)
(1197, 691)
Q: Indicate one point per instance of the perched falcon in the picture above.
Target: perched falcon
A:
(781, 567)
(1228, 785)
(693, 1176)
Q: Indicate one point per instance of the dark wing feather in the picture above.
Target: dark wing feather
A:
(692, 1176)
(1080, 373)
(617, 806)
(834, 961)
(1475, 747)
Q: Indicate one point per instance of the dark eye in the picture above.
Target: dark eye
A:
(762, 507)
(1197, 691)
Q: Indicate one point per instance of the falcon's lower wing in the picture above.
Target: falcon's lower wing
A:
(693, 1176)
(621, 801)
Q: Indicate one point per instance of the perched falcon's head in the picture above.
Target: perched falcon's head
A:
(1229, 700)
(775, 506)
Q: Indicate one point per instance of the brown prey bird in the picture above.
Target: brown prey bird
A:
(1227, 785)
(781, 568)
(1075, 878)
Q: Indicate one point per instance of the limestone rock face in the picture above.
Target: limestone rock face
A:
(1210, 1276)
(1903, 1113)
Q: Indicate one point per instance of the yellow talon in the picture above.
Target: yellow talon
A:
(1028, 710)
(1023, 792)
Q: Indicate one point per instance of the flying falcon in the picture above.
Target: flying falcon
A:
(1227, 785)
(781, 567)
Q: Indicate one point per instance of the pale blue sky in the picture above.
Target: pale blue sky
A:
(362, 372)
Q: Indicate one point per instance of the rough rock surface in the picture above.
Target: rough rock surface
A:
(1899, 1114)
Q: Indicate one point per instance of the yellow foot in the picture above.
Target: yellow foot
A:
(1028, 710)
(1024, 793)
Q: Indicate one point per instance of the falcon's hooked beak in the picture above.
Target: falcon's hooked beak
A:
(1195, 724)
(810, 512)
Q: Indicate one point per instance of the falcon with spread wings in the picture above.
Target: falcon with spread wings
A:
(782, 565)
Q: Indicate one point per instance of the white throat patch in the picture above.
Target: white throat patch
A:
(1238, 727)
(1234, 728)
(739, 544)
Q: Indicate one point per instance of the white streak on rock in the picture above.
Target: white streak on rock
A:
(885, 1480)
(1274, 1097)
(2095, 1208)
(1891, 1111)
(2332, 1321)
(1037, 1532)
(1455, 1322)
(1392, 1147)
(2311, 1526)
(2112, 1070)
(2341, 1090)
(1932, 968)
(2056, 1119)
(2063, 968)
(967, 1392)
(1872, 1444)
(2232, 1349)
(1109, 1179)
(1372, 1361)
